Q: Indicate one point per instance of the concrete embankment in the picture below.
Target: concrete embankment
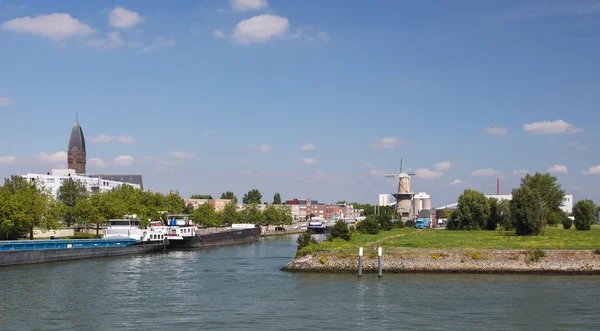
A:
(281, 233)
(571, 262)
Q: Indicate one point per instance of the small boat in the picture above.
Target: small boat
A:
(181, 232)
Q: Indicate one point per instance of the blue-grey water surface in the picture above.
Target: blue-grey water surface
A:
(242, 287)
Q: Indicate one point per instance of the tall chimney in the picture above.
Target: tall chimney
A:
(498, 186)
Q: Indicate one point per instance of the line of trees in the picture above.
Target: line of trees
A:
(535, 204)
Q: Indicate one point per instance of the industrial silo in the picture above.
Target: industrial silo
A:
(417, 205)
(427, 203)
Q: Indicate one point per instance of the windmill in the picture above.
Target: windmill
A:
(404, 195)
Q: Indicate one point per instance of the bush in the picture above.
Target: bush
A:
(567, 223)
(585, 214)
(398, 224)
(410, 224)
(369, 225)
(305, 239)
(83, 235)
(340, 230)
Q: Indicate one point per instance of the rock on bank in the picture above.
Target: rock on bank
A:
(578, 262)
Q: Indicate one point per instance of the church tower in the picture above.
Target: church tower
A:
(76, 157)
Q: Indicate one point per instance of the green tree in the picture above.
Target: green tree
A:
(254, 216)
(495, 217)
(272, 216)
(229, 195)
(206, 216)
(550, 193)
(201, 196)
(556, 218)
(27, 205)
(277, 199)
(369, 225)
(69, 193)
(231, 215)
(567, 223)
(340, 230)
(174, 202)
(584, 212)
(89, 211)
(473, 210)
(445, 214)
(504, 211)
(252, 197)
(526, 211)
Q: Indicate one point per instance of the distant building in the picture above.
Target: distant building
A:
(302, 209)
(76, 155)
(386, 199)
(54, 181)
(218, 204)
(124, 178)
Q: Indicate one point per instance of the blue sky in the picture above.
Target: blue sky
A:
(210, 96)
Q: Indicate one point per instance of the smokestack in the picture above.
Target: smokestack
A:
(498, 186)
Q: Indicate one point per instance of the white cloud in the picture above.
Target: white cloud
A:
(558, 168)
(307, 147)
(548, 127)
(262, 148)
(387, 143)
(159, 42)
(113, 40)
(124, 160)
(309, 160)
(96, 162)
(246, 172)
(595, 170)
(6, 101)
(521, 173)
(260, 28)
(428, 174)
(122, 18)
(57, 26)
(57, 157)
(489, 172)
(134, 44)
(443, 166)
(323, 35)
(245, 5)
(8, 159)
(581, 148)
(183, 155)
(457, 182)
(102, 138)
(219, 34)
(496, 130)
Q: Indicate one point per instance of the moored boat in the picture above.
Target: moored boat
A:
(181, 232)
(123, 237)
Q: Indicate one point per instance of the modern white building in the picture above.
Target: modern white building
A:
(386, 199)
(54, 180)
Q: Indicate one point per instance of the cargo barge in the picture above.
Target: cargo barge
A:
(18, 252)
(122, 237)
(181, 232)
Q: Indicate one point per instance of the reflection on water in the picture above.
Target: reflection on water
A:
(242, 287)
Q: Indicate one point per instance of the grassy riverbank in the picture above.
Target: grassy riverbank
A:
(554, 238)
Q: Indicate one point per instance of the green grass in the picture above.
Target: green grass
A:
(554, 238)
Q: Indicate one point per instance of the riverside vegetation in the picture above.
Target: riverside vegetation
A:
(26, 205)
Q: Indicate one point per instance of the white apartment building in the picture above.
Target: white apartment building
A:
(386, 199)
(54, 180)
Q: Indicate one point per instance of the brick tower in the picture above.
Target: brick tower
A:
(76, 157)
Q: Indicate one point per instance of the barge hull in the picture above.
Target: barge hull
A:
(230, 237)
(64, 254)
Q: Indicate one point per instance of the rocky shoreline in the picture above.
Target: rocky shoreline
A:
(564, 262)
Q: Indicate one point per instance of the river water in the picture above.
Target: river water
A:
(242, 287)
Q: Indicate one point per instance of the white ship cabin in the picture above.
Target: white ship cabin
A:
(175, 227)
(130, 228)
